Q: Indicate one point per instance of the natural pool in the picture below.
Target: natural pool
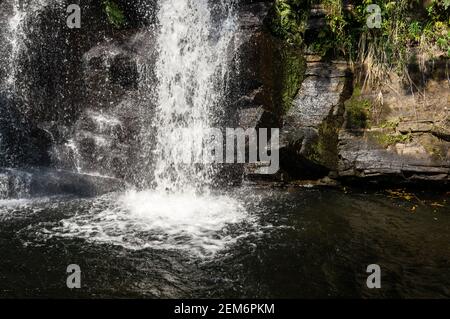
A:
(250, 242)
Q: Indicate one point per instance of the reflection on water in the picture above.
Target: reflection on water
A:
(270, 243)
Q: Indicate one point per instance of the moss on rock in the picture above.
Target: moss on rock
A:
(114, 13)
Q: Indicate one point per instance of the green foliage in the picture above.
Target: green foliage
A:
(415, 30)
(287, 20)
(408, 28)
(392, 124)
(438, 34)
(114, 13)
(338, 23)
(437, 27)
(405, 24)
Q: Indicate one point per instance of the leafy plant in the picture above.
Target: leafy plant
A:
(114, 13)
(392, 124)
(415, 30)
(288, 20)
(408, 29)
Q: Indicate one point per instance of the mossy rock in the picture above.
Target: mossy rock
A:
(388, 137)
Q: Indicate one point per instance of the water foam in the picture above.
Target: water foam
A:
(179, 210)
(139, 220)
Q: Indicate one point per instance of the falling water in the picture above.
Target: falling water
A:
(178, 211)
(17, 17)
(192, 70)
(14, 39)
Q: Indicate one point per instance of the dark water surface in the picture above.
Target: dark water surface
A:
(303, 242)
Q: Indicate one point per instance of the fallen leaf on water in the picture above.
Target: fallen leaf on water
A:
(400, 194)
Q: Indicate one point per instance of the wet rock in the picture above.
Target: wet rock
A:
(102, 142)
(249, 48)
(118, 76)
(124, 72)
(252, 96)
(22, 142)
(47, 182)
(109, 72)
(138, 13)
(251, 117)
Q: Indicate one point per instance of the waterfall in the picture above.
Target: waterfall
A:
(179, 210)
(192, 74)
(11, 37)
(14, 15)
(14, 35)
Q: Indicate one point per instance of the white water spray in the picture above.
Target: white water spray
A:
(192, 75)
(15, 36)
(179, 211)
(15, 39)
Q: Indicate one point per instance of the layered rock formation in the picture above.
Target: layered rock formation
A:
(407, 138)
(396, 133)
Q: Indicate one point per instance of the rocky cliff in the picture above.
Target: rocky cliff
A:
(396, 132)
(78, 110)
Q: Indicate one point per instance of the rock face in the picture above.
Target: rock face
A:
(104, 138)
(252, 93)
(404, 137)
(407, 141)
(83, 94)
(361, 158)
(268, 77)
(408, 138)
(21, 140)
(48, 90)
(309, 135)
(47, 182)
(79, 92)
